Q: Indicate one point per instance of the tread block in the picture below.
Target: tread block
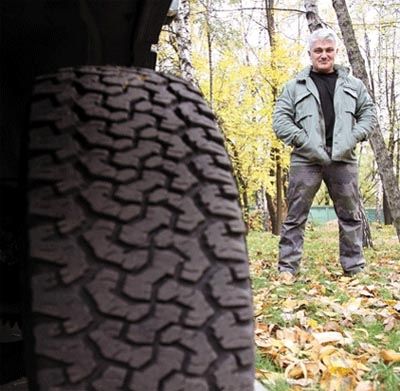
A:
(200, 310)
(196, 262)
(176, 148)
(169, 360)
(207, 168)
(182, 178)
(92, 83)
(43, 168)
(44, 111)
(74, 353)
(179, 382)
(135, 192)
(73, 181)
(103, 290)
(141, 121)
(171, 121)
(64, 304)
(229, 378)
(182, 91)
(111, 379)
(201, 354)
(163, 264)
(190, 113)
(144, 107)
(224, 290)
(49, 378)
(107, 338)
(99, 238)
(44, 139)
(217, 204)
(224, 246)
(202, 142)
(64, 252)
(146, 148)
(229, 333)
(138, 233)
(94, 133)
(144, 332)
(99, 196)
(43, 202)
(164, 97)
(97, 162)
(92, 106)
(190, 218)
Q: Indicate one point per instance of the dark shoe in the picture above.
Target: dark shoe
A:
(351, 273)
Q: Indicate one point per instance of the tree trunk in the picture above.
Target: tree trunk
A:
(279, 195)
(240, 178)
(312, 16)
(387, 217)
(181, 29)
(209, 49)
(384, 162)
(278, 209)
(272, 214)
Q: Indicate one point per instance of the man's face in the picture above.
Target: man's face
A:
(322, 55)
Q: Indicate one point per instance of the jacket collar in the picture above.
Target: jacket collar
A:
(342, 71)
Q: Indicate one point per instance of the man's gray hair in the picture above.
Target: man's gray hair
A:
(323, 34)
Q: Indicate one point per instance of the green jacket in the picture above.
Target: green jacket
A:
(298, 118)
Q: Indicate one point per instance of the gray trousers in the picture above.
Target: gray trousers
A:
(341, 180)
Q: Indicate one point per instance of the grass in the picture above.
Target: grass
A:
(361, 308)
(386, 377)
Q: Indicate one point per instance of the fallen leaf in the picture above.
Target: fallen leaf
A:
(331, 382)
(389, 356)
(328, 337)
(332, 326)
(289, 305)
(365, 386)
(389, 323)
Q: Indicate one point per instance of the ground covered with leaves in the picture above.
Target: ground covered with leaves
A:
(325, 331)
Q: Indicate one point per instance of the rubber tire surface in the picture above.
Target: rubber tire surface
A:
(139, 273)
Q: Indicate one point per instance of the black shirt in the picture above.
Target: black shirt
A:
(326, 83)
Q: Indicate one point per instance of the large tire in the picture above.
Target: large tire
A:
(139, 273)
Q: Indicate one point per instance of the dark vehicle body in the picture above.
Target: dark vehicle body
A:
(122, 254)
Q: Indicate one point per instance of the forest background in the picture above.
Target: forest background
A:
(324, 331)
(241, 52)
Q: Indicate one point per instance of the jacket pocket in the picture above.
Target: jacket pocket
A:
(312, 151)
(303, 121)
(302, 105)
(350, 100)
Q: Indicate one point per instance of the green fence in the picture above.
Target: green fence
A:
(322, 214)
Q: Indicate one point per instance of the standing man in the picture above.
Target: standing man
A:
(323, 113)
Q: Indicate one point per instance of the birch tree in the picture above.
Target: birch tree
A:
(183, 42)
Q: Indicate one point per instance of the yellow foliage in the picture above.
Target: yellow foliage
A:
(243, 98)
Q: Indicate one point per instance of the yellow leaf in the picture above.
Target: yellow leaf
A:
(335, 382)
(312, 323)
(327, 351)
